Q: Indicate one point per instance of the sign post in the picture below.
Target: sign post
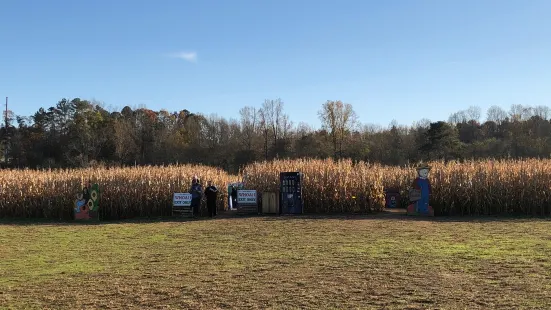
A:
(181, 203)
(247, 201)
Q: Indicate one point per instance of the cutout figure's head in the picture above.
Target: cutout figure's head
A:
(423, 171)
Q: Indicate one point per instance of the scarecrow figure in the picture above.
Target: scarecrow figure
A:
(421, 184)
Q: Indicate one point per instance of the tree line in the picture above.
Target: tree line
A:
(81, 133)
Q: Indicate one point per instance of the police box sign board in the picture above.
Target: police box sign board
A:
(246, 197)
(181, 200)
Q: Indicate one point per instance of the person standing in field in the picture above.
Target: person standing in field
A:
(234, 197)
(196, 192)
(211, 192)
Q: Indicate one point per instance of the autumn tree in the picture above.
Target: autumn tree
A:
(496, 114)
(249, 126)
(273, 122)
(442, 142)
(251, 122)
(338, 119)
(75, 132)
(265, 129)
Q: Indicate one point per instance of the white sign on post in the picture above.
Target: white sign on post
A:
(246, 197)
(181, 200)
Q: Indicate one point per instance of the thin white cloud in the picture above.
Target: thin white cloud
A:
(187, 56)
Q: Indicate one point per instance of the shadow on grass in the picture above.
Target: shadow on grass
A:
(404, 217)
(229, 215)
(138, 220)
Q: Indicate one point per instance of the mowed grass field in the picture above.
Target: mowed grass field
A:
(365, 262)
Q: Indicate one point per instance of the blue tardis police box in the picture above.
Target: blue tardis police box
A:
(290, 191)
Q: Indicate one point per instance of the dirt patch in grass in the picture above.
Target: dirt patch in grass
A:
(297, 262)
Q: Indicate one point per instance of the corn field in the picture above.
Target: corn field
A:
(125, 192)
(327, 186)
(511, 187)
(470, 188)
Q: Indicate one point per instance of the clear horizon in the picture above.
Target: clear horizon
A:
(400, 60)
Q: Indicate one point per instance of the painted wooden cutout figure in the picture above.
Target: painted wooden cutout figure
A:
(81, 210)
(87, 203)
(423, 186)
(392, 197)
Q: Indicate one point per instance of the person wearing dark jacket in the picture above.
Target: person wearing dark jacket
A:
(211, 192)
(196, 192)
(234, 197)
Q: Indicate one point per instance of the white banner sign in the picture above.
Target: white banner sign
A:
(246, 197)
(181, 200)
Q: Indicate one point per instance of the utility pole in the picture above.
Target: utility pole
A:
(6, 120)
(6, 116)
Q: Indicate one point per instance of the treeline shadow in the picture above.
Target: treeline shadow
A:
(227, 215)
(404, 217)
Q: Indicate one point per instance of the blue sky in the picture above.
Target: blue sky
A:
(392, 59)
